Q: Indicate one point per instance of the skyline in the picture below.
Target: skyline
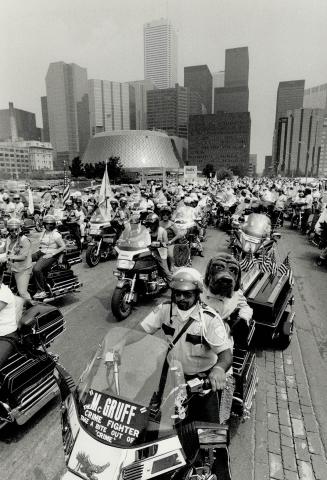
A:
(103, 36)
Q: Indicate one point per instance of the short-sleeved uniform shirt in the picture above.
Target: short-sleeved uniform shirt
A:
(198, 347)
(8, 322)
(50, 242)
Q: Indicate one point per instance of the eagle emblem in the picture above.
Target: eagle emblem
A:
(88, 468)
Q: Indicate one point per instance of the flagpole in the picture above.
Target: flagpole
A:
(105, 186)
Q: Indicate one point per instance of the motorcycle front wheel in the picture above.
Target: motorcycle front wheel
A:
(92, 259)
(119, 306)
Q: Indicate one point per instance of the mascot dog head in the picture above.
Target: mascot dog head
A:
(223, 275)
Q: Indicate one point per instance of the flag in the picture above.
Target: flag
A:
(247, 263)
(30, 202)
(286, 269)
(66, 192)
(105, 194)
(267, 262)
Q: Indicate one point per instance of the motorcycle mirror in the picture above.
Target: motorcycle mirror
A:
(276, 235)
(155, 244)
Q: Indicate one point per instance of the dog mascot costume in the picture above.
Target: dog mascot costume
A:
(223, 293)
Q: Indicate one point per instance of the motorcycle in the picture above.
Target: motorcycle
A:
(137, 270)
(296, 220)
(127, 418)
(101, 240)
(190, 230)
(224, 216)
(28, 382)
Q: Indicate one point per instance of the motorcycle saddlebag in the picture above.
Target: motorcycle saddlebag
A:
(23, 373)
(72, 254)
(269, 297)
(41, 324)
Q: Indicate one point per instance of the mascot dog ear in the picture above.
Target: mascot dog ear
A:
(208, 273)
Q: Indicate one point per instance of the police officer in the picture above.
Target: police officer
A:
(203, 348)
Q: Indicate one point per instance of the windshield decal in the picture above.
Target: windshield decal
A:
(112, 420)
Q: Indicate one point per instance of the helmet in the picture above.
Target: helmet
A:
(13, 223)
(152, 219)
(135, 218)
(187, 200)
(49, 220)
(79, 201)
(165, 209)
(5, 196)
(68, 203)
(16, 196)
(114, 201)
(187, 278)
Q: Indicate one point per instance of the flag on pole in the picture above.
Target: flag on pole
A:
(286, 269)
(66, 192)
(30, 201)
(105, 194)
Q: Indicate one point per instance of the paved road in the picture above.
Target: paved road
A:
(34, 451)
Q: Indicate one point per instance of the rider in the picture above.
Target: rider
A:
(19, 257)
(172, 232)
(72, 221)
(51, 245)
(8, 206)
(203, 349)
(19, 206)
(8, 322)
(159, 234)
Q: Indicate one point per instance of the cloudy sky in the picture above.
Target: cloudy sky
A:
(287, 40)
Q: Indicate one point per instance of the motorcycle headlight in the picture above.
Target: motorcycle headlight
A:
(125, 264)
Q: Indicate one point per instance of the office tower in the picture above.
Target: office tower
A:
(198, 79)
(45, 119)
(218, 79)
(298, 142)
(268, 170)
(222, 139)
(252, 165)
(168, 110)
(17, 124)
(195, 104)
(289, 97)
(234, 95)
(160, 53)
(316, 97)
(68, 110)
(19, 157)
(138, 103)
(109, 106)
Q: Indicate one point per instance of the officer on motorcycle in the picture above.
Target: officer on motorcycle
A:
(203, 349)
(159, 234)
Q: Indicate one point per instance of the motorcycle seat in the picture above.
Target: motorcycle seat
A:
(30, 317)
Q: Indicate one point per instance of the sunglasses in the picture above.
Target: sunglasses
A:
(13, 230)
(186, 294)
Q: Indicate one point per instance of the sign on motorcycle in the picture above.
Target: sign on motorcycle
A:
(112, 420)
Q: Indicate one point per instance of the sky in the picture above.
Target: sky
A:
(287, 40)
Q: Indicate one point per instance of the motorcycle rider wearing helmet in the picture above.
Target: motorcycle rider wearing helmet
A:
(172, 232)
(71, 218)
(19, 257)
(50, 247)
(123, 211)
(203, 349)
(19, 206)
(8, 206)
(159, 234)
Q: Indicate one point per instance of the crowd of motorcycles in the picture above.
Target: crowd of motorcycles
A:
(167, 449)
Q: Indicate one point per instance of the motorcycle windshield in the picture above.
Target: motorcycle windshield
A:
(134, 237)
(101, 215)
(257, 225)
(184, 215)
(134, 396)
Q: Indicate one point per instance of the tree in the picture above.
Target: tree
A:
(224, 173)
(89, 170)
(76, 168)
(208, 169)
(115, 168)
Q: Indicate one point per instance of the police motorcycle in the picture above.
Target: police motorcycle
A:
(137, 270)
(128, 418)
(190, 231)
(27, 377)
(101, 239)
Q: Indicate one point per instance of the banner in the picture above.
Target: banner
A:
(190, 173)
(30, 202)
(104, 195)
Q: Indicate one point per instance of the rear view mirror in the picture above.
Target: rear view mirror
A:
(276, 235)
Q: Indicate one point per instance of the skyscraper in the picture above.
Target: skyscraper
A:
(198, 79)
(234, 95)
(45, 119)
(168, 110)
(316, 97)
(160, 53)
(218, 79)
(139, 116)
(68, 110)
(109, 106)
(289, 97)
(18, 124)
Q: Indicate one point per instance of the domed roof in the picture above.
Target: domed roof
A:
(136, 149)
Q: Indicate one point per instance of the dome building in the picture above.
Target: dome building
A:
(137, 149)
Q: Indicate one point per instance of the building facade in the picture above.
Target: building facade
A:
(109, 106)
(68, 110)
(316, 97)
(268, 170)
(253, 159)
(18, 124)
(233, 95)
(138, 103)
(168, 110)
(160, 53)
(298, 144)
(18, 158)
(198, 79)
(45, 120)
(222, 139)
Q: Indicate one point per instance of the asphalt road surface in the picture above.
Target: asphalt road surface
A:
(34, 451)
